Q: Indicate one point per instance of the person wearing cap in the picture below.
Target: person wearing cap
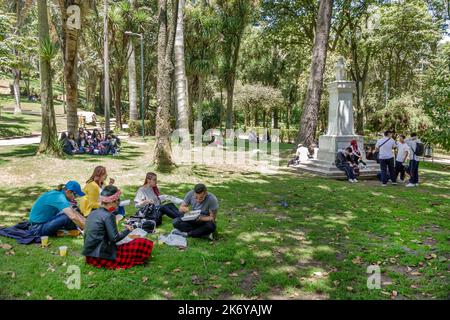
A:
(53, 211)
(101, 237)
(205, 224)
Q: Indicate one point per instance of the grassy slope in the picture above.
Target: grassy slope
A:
(308, 250)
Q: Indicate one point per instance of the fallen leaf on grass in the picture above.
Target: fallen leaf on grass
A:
(176, 270)
(394, 294)
(5, 246)
(255, 273)
(90, 273)
(49, 298)
(242, 261)
(217, 286)
(233, 274)
(91, 285)
(430, 256)
(28, 294)
(195, 280)
(10, 253)
(144, 279)
(227, 263)
(349, 288)
(357, 260)
(167, 294)
(415, 273)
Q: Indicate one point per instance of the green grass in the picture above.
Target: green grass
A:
(317, 248)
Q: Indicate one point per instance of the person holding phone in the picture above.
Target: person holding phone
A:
(101, 237)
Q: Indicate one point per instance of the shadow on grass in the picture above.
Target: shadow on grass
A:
(12, 125)
(23, 151)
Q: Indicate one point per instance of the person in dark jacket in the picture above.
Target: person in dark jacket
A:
(101, 237)
(343, 163)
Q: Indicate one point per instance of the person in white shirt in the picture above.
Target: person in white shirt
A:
(413, 161)
(403, 153)
(385, 146)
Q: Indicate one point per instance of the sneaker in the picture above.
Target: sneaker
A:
(384, 185)
(416, 184)
(180, 233)
(402, 181)
(394, 183)
(350, 180)
(410, 185)
(211, 236)
(354, 180)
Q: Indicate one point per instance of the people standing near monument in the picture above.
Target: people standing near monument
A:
(403, 152)
(343, 163)
(384, 147)
(416, 150)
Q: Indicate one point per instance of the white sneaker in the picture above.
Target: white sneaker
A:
(394, 183)
(384, 185)
(410, 185)
(350, 180)
(354, 180)
(416, 184)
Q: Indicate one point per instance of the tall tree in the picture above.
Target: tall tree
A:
(70, 36)
(180, 72)
(308, 122)
(166, 39)
(49, 138)
(132, 86)
(235, 16)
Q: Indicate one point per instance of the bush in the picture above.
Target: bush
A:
(135, 127)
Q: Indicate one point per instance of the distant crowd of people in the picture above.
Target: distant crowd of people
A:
(90, 142)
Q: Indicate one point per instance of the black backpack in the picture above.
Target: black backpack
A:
(420, 148)
(147, 218)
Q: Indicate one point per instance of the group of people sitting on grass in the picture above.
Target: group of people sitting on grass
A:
(392, 156)
(91, 143)
(97, 214)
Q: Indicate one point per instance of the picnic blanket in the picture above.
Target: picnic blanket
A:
(21, 232)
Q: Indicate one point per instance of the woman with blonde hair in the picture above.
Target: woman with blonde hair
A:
(93, 188)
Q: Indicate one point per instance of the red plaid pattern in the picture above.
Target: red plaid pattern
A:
(128, 255)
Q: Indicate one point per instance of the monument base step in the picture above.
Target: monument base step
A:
(324, 169)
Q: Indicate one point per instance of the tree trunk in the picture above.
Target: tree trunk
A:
(16, 86)
(308, 123)
(275, 118)
(49, 137)
(163, 150)
(117, 98)
(256, 116)
(180, 71)
(70, 42)
(132, 85)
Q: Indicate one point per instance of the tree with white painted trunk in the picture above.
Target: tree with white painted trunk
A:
(180, 73)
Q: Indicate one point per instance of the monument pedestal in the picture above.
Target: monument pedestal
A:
(340, 132)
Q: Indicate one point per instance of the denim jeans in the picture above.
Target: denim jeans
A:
(58, 222)
(386, 164)
(348, 170)
(414, 171)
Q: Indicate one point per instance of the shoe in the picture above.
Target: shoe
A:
(211, 236)
(394, 183)
(402, 181)
(384, 185)
(350, 180)
(416, 184)
(354, 180)
(180, 233)
(410, 185)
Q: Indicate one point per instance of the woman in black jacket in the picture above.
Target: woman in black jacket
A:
(101, 237)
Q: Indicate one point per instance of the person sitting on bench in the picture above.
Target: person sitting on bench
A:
(205, 224)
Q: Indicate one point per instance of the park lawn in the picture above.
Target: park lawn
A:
(318, 247)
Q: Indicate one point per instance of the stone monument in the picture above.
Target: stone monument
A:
(340, 130)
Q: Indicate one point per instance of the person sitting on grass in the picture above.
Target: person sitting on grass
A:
(205, 225)
(343, 163)
(92, 189)
(101, 237)
(53, 211)
(83, 144)
(149, 194)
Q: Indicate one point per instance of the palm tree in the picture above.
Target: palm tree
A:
(180, 72)
(132, 86)
(163, 150)
(49, 138)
